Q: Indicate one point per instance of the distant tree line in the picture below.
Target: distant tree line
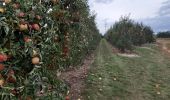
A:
(165, 34)
(126, 33)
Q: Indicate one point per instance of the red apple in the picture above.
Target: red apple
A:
(3, 57)
(11, 79)
(27, 39)
(35, 27)
(67, 98)
(21, 14)
(2, 67)
(11, 72)
(14, 92)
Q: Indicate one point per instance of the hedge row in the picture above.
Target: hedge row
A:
(37, 38)
(165, 34)
(126, 33)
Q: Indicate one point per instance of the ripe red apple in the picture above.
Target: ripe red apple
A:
(21, 14)
(11, 79)
(35, 27)
(67, 98)
(27, 39)
(14, 92)
(2, 67)
(3, 57)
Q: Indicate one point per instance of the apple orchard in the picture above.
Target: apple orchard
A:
(39, 38)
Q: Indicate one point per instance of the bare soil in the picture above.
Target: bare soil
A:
(164, 44)
(132, 55)
(75, 78)
(146, 48)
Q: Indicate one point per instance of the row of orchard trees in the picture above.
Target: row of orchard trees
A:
(165, 34)
(38, 36)
(126, 33)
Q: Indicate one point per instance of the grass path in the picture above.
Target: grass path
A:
(113, 77)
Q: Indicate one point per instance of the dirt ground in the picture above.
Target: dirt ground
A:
(75, 78)
(164, 44)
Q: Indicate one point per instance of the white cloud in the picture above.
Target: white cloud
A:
(161, 22)
(165, 9)
(113, 10)
(103, 1)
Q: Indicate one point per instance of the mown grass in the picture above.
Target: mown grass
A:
(113, 77)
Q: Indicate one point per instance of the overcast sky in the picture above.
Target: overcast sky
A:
(155, 13)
